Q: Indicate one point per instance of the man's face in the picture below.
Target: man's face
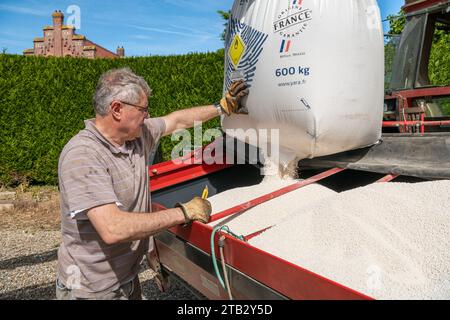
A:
(134, 116)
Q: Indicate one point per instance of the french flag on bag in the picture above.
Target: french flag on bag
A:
(285, 45)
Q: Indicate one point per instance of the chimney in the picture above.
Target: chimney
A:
(120, 52)
(58, 18)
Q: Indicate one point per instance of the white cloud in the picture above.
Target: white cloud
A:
(200, 5)
(167, 31)
(141, 37)
(23, 10)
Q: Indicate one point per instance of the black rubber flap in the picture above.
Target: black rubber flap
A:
(424, 156)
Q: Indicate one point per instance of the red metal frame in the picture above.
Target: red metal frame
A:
(280, 275)
(422, 118)
(421, 92)
(405, 100)
(388, 178)
(183, 169)
(421, 4)
(416, 123)
(406, 97)
(255, 234)
(174, 174)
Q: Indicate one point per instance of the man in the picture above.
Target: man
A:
(104, 186)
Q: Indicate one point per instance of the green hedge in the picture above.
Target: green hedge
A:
(45, 100)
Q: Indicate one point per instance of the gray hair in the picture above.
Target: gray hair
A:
(121, 84)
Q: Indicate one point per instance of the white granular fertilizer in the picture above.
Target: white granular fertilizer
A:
(269, 213)
(386, 240)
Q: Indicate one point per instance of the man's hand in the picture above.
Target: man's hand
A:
(231, 103)
(197, 209)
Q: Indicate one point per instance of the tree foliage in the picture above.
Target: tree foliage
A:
(396, 23)
(226, 16)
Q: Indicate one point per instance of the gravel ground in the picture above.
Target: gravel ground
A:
(28, 269)
(29, 242)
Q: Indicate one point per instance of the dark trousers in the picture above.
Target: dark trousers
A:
(128, 291)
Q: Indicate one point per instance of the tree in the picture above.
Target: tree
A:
(396, 23)
(226, 16)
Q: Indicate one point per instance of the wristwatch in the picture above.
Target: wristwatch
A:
(219, 108)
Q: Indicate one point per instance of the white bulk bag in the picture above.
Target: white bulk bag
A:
(316, 71)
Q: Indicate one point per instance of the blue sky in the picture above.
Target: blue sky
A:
(152, 27)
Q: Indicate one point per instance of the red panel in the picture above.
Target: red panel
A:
(178, 174)
(280, 275)
(183, 169)
(289, 279)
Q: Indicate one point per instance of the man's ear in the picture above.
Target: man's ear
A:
(116, 110)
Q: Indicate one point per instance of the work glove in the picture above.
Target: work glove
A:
(197, 209)
(232, 102)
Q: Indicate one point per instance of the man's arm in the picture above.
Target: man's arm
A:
(184, 119)
(230, 103)
(116, 226)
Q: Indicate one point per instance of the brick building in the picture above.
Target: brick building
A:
(62, 41)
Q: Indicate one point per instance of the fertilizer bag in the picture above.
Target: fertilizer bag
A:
(315, 70)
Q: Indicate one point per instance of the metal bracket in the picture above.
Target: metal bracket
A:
(162, 277)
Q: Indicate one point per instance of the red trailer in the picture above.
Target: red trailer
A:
(186, 252)
(253, 274)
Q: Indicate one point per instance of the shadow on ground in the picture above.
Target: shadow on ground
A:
(37, 292)
(150, 291)
(29, 260)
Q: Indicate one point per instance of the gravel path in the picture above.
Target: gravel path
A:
(29, 240)
(28, 268)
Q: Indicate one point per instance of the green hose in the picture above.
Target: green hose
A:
(213, 254)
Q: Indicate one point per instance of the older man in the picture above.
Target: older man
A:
(104, 185)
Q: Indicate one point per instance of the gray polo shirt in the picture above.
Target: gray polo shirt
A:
(93, 172)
